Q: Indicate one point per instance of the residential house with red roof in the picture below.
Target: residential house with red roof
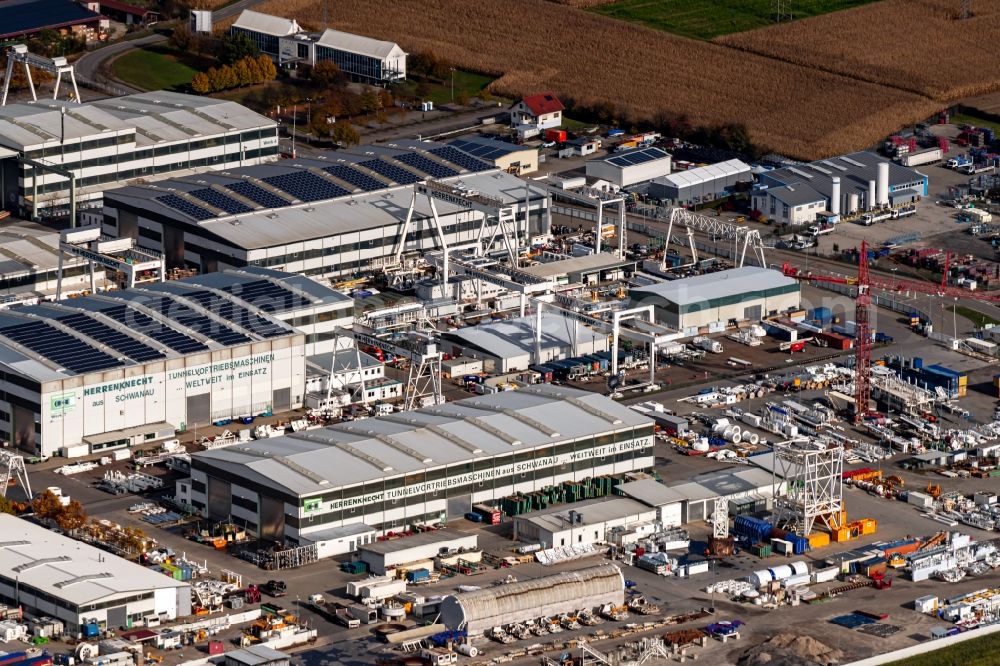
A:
(539, 112)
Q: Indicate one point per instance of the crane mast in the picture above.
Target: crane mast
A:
(862, 338)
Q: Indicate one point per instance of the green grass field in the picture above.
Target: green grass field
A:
(467, 82)
(975, 121)
(979, 319)
(705, 19)
(157, 68)
(975, 652)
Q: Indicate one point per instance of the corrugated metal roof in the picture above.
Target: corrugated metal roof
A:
(565, 592)
(592, 512)
(345, 41)
(650, 492)
(173, 330)
(19, 17)
(275, 227)
(633, 157)
(587, 262)
(69, 569)
(266, 23)
(706, 174)
(332, 454)
(700, 288)
(157, 116)
(516, 337)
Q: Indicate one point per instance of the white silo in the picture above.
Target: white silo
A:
(882, 186)
(853, 203)
(835, 196)
(870, 201)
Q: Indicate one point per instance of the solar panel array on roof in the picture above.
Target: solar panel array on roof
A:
(356, 178)
(257, 194)
(306, 186)
(220, 201)
(117, 340)
(631, 158)
(463, 160)
(63, 348)
(141, 323)
(186, 207)
(239, 315)
(430, 167)
(481, 150)
(267, 296)
(397, 174)
(185, 316)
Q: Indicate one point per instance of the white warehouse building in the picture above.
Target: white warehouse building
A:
(48, 574)
(106, 143)
(113, 370)
(333, 215)
(584, 522)
(718, 299)
(845, 185)
(507, 346)
(630, 167)
(422, 467)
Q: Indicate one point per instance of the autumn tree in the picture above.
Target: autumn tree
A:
(180, 38)
(268, 72)
(326, 74)
(46, 505)
(72, 517)
(215, 79)
(244, 76)
(200, 83)
(344, 133)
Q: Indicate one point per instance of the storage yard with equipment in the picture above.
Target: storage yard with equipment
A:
(689, 352)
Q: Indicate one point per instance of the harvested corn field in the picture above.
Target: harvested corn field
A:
(916, 45)
(789, 108)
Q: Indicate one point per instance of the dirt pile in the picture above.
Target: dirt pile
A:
(791, 650)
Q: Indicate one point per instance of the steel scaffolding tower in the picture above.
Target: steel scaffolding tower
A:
(720, 518)
(12, 467)
(814, 485)
(862, 338)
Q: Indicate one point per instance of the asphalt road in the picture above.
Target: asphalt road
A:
(89, 66)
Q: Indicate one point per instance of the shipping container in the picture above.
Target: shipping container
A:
(557, 135)
(490, 515)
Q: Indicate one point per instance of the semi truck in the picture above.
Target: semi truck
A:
(929, 156)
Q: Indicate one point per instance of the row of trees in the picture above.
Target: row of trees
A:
(243, 72)
(733, 137)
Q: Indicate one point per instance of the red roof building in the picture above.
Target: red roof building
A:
(541, 112)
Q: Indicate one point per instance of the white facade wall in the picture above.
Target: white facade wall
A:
(433, 504)
(75, 408)
(623, 176)
(123, 157)
(779, 303)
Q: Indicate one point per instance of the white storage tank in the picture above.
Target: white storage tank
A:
(795, 581)
(799, 568)
(761, 578)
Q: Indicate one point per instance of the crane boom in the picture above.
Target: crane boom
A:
(864, 283)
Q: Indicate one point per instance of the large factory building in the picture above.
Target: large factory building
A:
(112, 370)
(48, 574)
(332, 215)
(739, 294)
(844, 185)
(425, 466)
(107, 142)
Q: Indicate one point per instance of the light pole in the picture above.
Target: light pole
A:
(452, 83)
(309, 111)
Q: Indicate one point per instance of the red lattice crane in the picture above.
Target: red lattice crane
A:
(864, 283)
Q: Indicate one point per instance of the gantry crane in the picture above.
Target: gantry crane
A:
(864, 283)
